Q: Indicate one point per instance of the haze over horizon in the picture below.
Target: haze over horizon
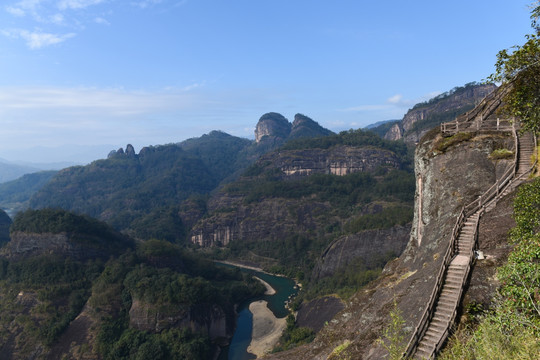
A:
(99, 74)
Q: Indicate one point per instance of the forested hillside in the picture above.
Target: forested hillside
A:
(72, 285)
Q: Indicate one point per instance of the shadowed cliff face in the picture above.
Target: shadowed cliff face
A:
(206, 319)
(445, 182)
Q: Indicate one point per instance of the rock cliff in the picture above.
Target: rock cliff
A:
(366, 246)
(444, 107)
(340, 160)
(207, 319)
(64, 244)
(274, 127)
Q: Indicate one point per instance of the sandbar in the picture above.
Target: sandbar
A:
(269, 289)
(267, 329)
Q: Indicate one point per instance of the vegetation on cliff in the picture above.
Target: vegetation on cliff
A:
(519, 69)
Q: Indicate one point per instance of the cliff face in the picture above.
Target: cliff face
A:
(341, 160)
(274, 127)
(268, 220)
(365, 246)
(24, 245)
(421, 118)
(210, 320)
(445, 182)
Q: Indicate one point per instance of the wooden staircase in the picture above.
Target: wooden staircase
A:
(526, 150)
(438, 317)
(448, 300)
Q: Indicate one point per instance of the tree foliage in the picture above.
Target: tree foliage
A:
(518, 68)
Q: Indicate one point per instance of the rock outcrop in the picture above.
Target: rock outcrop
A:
(395, 133)
(206, 319)
(23, 245)
(340, 160)
(272, 125)
(366, 246)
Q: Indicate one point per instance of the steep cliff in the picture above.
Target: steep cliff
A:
(208, 319)
(444, 107)
(445, 182)
(368, 246)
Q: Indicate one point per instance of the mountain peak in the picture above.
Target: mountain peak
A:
(274, 125)
(304, 126)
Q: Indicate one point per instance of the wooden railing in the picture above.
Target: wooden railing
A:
(428, 313)
(480, 118)
(446, 332)
(492, 194)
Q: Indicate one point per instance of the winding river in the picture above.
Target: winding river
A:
(284, 288)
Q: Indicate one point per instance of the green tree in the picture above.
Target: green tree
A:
(518, 69)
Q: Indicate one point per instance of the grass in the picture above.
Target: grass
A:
(501, 154)
(442, 144)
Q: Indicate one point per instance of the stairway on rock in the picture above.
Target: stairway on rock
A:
(448, 300)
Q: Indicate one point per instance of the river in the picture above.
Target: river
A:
(284, 288)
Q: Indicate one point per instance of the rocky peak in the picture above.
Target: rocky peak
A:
(303, 126)
(129, 152)
(273, 125)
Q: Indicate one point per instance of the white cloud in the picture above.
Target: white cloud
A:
(146, 3)
(102, 21)
(15, 11)
(395, 99)
(77, 4)
(37, 39)
(57, 19)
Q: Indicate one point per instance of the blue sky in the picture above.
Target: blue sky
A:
(98, 74)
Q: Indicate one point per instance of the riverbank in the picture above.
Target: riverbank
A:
(269, 290)
(240, 265)
(267, 329)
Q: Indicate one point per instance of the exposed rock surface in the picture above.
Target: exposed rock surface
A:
(209, 320)
(366, 246)
(445, 182)
(432, 113)
(274, 127)
(24, 245)
(317, 313)
(395, 133)
(269, 220)
(340, 160)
